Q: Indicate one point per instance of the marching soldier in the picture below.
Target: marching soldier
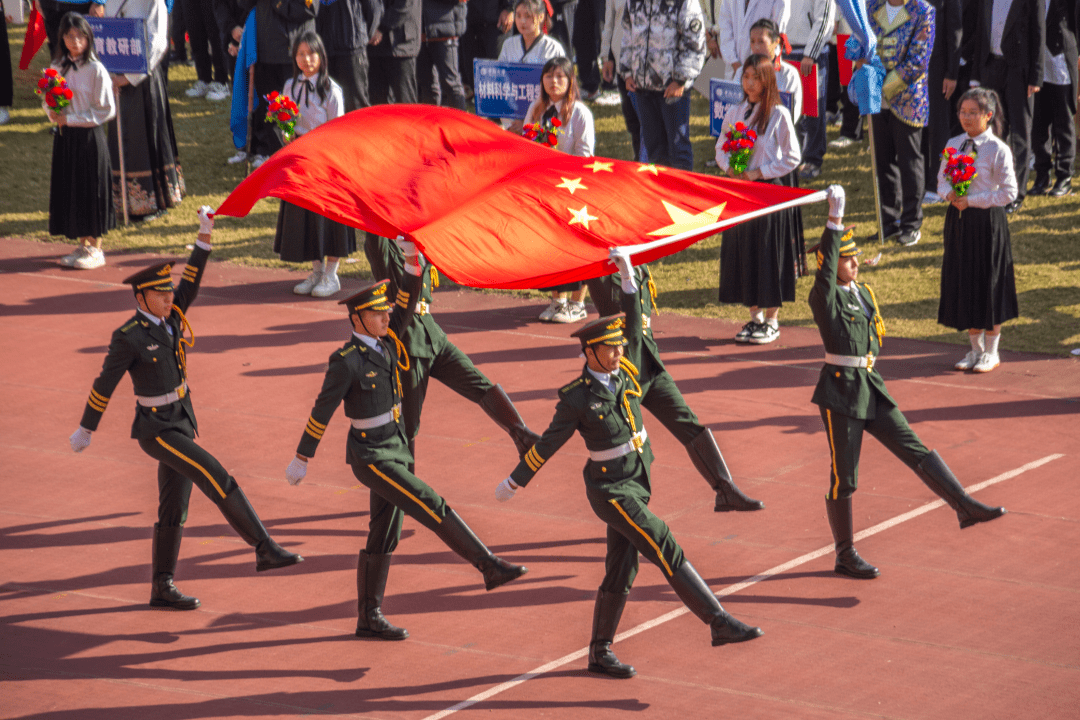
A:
(604, 405)
(151, 347)
(853, 397)
(367, 374)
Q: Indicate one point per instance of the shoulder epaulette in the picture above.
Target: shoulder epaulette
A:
(572, 385)
(346, 350)
(130, 325)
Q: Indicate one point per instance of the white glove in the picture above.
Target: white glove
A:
(296, 471)
(620, 256)
(408, 247)
(80, 439)
(835, 194)
(206, 219)
(505, 490)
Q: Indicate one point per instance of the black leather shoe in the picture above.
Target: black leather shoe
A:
(271, 556)
(1061, 188)
(727, 630)
(498, 572)
(603, 661)
(1013, 206)
(163, 594)
(850, 564)
(1041, 184)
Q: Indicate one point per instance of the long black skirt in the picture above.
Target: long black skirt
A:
(80, 202)
(978, 287)
(155, 181)
(795, 249)
(303, 236)
(752, 261)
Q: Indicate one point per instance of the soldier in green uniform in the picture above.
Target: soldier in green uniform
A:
(368, 374)
(604, 405)
(853, 398)
(660, 394)
(151, 347)
(433, 355)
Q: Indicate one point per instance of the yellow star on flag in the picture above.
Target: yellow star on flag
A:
(571, 185)
(683, 221)
(597, 166)
(582, 216)
(649, 168)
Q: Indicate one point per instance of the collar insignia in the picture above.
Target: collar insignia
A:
(152, 348)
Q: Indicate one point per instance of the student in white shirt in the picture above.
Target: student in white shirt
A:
(733, 21)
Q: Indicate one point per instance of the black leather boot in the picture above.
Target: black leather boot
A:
(606, 616)
(458, 537)
(371, 572)
(1041, 184)
(706, 456)
(245, 521)
(848, 561)
(499, 408)
(696, 595)
(166, 549)
(938, 477)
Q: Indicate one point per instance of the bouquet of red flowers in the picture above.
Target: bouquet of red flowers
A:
(283, 112)
(959, 169)
(739, 144)
(543, 133)
(54, 88)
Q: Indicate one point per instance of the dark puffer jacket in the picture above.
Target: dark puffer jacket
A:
(443, 19)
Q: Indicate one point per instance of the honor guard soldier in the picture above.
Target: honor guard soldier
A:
(367, 374)
(433, 355)
(151, 347)
(660, 395)
(853, 397)
(604, 405)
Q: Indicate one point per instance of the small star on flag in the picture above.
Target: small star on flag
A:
(649, 168)
(582, 216)
(571, 185)
(683, 221)
(597, 166)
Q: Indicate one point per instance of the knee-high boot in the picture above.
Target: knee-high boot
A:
(848, 561)
(706, 456)
(606, 615)
(166, 549)
(499, 408)
(938, 477)
(696, 595)
(460, 538)
(371, 572)
(245, 521)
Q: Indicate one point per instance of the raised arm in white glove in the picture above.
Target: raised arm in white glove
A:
(620, 256)
(206, 220)
(506, 490)
(836, 197)
(296, 471)
(80, 439)
(414, 261)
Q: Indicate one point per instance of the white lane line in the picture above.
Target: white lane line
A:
(731, 589)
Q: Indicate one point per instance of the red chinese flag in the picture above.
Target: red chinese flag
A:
(491, 209)
(35, 38)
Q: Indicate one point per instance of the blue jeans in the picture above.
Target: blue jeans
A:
(665, 129)
(811, 129)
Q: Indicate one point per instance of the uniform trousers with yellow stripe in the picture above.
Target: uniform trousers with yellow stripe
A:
(181, 462)
(845, 434)
(452, 368)
(396, 492)
(662, 398)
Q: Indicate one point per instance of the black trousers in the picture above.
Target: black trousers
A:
(1009, 79)
(938, 129)
(900, 167)
(51, 13)
(588, 18)
(438, 75)
(481, 40)
(268, 78)
(177, 30)
(181, 463)
(7, 85)
(351, 73)
(851, 125)
(1052, 130)
(206, 47)
(562, 24)
(633, 122)
(392, 79)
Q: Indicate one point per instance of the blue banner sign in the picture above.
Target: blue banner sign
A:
(505, 90)
(120, 44)
(723, 94)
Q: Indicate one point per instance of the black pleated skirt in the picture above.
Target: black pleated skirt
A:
(80, 200)
(978, 287)
(303, 235)
(756, 261)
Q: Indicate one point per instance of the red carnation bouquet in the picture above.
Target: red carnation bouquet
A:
(959, 169)
(739, 145)
(544, 133)
(282, 111)
(54, 88)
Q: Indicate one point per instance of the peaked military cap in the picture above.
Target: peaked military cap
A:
(848, 247)
(158, 277)
(605, 331)
(370, 297)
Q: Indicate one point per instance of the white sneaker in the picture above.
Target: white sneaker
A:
(309, 284)
(93, 258)
(217, 92)
(258, 160)
(608, 97)
(199, 89)
(987, 362)
(570, 312)
(69, 260)
(550, 310)
(5, 115)
(842, 142)
(327, 286)
(764, 334)
(238, 158)
(931, 198)
(969, 361)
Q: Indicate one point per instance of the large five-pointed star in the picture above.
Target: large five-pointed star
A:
(683, 221)
(598, 166)
(571, 185)
(582, 216)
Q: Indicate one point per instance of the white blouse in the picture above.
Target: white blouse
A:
(92, 101)
(157, 28)
(543, 49)
(994, 184)
(314, 111)
(776, 151)
(577, 137)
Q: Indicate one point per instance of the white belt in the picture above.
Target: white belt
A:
(422, 308)
(646, 321)
(166, 399)
(852, 361)
(389, 416)
(636, 443)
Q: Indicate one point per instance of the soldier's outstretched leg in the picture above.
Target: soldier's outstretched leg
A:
(460, 538)
(848, 561)
(166, 549)
(245, 521)
(938, 477)
(371, 572)
(606, 615)
(499, 408)
(696, 595)
(706, 456)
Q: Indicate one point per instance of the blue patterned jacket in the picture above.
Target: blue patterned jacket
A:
(904, 47)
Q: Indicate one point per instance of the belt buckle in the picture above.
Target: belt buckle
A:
(181, 392)
(422, 308)
(397, 412)
(637, 442)
(869, 362)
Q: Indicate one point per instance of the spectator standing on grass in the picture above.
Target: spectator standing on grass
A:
(230, 28)
(532, 46)
(1052, 126)
(485, 22)
(610, 47)
(734, 18)
(809, 29)
(346, 27)
(437, 67)
(851, 122)
(588, 21)
(943, 72)
(206, 50)
(392, 53)
(52, 10)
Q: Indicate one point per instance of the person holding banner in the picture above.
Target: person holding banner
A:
(532, 46)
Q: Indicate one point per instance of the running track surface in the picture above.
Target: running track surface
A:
(980, 623)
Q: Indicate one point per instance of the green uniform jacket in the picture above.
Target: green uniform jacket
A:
(421, 336)
(640, 303)
(146, 351)
(845, 330)
(367, 383)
